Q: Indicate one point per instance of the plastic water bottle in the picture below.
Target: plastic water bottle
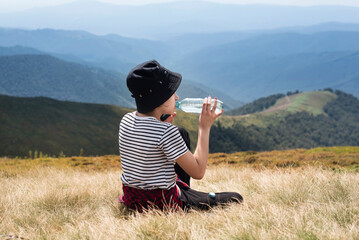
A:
(194, 105)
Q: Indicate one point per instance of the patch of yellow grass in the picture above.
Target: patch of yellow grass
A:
(14, 166)
(305, 203)
(335, 158)
(338, 158)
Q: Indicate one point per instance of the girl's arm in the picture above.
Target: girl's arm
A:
(195, 164)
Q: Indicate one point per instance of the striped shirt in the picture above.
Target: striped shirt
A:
(148, 150)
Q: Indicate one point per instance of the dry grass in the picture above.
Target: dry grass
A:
(335, 158)
(286, 203)
(15, 166)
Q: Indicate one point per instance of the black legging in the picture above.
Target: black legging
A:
(195, 199)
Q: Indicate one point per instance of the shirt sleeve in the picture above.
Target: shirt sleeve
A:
(172, 143)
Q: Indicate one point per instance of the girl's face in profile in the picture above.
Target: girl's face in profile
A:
(169, 106)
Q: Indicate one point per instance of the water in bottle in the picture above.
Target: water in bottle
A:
(194, 105)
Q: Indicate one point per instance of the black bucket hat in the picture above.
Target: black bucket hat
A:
(151, 85)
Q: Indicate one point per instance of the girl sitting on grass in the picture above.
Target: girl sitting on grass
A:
(151, 146)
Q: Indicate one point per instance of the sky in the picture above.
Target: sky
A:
(18, 5)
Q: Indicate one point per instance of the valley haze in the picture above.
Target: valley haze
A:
(146, 21)
(18, 5)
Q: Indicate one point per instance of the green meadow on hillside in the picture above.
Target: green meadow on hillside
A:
(268, 111)
(304, 120)
(312, 102)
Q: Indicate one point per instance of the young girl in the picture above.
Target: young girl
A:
(151, 146)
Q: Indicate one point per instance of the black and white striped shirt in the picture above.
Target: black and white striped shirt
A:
(148, 150)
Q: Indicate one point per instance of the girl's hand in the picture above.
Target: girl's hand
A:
(208, 114)
(171, 118)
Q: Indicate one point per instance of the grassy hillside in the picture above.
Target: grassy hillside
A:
(296, 194)
(268, 110)
(312, 102)
(54, 127)
(303, 120)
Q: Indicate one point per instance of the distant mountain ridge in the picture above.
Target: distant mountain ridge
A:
(43, 75)
(18, 50)
(245, 69)
(31, 75)
(110, 52)
(265, 65)
(241, 52)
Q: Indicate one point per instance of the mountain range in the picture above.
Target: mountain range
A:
(264, 65)
(237, 67)
(39, 74)
(238, 53)
(43, 75)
